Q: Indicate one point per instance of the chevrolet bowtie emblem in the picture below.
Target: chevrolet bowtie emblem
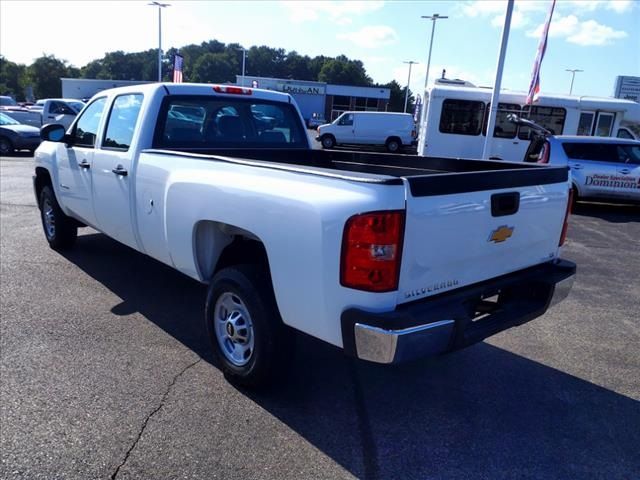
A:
(500, 234)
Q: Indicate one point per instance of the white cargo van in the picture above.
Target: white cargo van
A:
(391, 130)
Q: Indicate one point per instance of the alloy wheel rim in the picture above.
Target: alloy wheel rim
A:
(234, 329)
(48, 218)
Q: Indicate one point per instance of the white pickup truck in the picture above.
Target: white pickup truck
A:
(62, 111)
(389, 257)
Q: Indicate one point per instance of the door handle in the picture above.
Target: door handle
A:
(84, 164)
(625, 171)
(120, 170)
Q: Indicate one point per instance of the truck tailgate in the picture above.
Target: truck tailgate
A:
(465, 228)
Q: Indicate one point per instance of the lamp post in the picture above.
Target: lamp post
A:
(160, 7)
(435, 17)
(244, 54)
(573, 74)
(406, 94)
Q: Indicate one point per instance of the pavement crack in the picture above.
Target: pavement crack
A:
(146, 420)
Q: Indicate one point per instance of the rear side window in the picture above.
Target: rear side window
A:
(551, 118)
(597, 152)
(462, 117)
(122, 121)
(504, 128)
(86, 129)
(209, 121)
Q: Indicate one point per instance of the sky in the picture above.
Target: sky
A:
(602, 38)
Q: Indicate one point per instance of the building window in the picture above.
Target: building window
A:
(341, 102)
(462, 117)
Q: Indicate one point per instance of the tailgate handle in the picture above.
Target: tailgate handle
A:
(503, 204)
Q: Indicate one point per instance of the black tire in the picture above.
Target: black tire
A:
(6, 147)
(254, 316)
(328, 141)
(393, 145)
(59, 230)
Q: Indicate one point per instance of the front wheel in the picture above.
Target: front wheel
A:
(244, 327)
(328, 141)
(59, 229)
(6, 147)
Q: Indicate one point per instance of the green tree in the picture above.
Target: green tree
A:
(396, 100)
(343, 71)
(44, 75)
(12, 79)
(214, 68)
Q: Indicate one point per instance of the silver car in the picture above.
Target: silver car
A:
(601, 167)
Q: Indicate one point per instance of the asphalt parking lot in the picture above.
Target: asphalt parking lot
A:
(105, 373)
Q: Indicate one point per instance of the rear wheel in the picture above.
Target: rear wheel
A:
(393, 145)
(328, 141)
(6, 147)
(244, 326)
(59, 230)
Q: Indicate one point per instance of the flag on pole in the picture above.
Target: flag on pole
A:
(534, 87)
(177, 68)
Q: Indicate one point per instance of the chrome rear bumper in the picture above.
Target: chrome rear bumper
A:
(450, 321)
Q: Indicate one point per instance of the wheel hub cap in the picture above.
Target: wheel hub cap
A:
(48, 218)
(234, 329)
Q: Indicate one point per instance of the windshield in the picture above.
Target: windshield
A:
(228, 122)
(7, 120)
(77, 106)
(7, 101)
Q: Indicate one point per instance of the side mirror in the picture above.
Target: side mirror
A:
(52, 132)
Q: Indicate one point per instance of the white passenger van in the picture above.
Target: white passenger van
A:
(391, 130)
(456, 121)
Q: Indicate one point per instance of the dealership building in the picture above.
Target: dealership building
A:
(323, 98)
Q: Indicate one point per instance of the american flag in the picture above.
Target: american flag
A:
(534, 87)
(177, 69)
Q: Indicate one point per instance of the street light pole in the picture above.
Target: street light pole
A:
(435, 17)
(573, 74)
(160, 7)
(406, 94)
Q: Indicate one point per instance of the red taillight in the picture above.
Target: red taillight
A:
(544, 153)
(371, 251)
(563, 235)
(233, 90)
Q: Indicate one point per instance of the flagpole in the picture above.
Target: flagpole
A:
(495, 95)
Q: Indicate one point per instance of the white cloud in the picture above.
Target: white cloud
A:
(372, 36)
(586, 33)
(497, 9)
(338, 12)
(618, 6)
(593, 33)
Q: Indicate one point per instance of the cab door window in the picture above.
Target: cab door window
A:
(86, 128)
(122, 121)
(346, 119)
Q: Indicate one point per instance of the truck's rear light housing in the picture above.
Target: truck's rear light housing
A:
(372, 250)
(414, 133)
(232, 90)
(565, 226)
(544, 153)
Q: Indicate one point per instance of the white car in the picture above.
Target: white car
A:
(601, 168)
(390, 130)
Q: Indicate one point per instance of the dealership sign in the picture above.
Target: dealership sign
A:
(298, 88)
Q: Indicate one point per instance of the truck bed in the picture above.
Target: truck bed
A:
(426, 175)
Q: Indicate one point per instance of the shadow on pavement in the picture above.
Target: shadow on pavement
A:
(616, 213)
(479, 413)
